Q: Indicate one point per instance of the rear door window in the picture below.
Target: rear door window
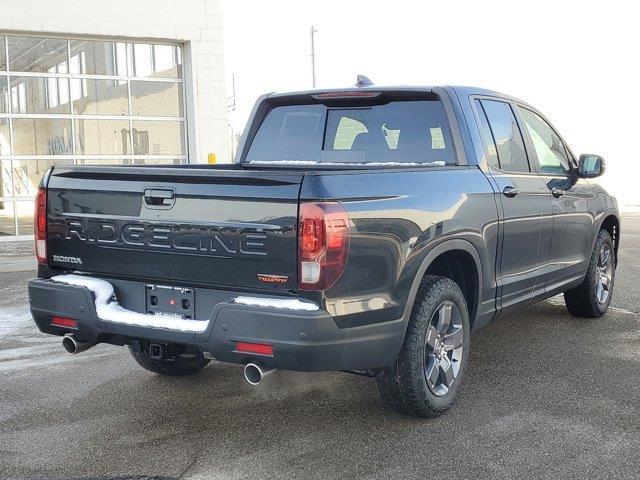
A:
(487, 137)
(507, 137)
(401, 132)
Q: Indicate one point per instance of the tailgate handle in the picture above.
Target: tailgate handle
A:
(158, 198)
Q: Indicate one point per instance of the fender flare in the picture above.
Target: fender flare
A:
(432, 254)
(598, 226)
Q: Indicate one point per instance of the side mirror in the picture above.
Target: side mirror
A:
(591, 166)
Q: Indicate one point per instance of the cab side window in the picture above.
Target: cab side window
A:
(551, 153)
(506, 136)
(487, 137)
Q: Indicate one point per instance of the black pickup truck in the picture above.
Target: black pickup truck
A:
(367, 230)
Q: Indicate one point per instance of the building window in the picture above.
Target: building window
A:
(83, 101)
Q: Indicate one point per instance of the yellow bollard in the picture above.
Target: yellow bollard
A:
(211, 158)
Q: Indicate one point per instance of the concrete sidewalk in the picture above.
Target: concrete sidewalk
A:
(17, 257)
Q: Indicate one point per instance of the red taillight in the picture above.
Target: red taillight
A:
(40, 225)
(258, 348)
(323, 244)
(64, 322)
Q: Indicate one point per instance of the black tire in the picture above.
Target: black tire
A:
(404, 386)
(583, 300)
(179, 365)
(389, 389)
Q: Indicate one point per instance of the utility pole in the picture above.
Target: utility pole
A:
(314, 30)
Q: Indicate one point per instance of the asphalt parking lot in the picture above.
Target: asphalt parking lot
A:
(547, 395)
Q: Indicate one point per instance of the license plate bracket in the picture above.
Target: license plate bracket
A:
(170, 300)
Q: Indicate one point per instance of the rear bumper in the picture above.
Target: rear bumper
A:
(302, 340)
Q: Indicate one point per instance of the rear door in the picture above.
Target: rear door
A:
(571, 242)
(524, 198)
(189, 225)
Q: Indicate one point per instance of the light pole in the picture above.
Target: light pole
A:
(314, 30)
(231, 107)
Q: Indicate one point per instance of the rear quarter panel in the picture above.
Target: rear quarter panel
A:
(397, 218)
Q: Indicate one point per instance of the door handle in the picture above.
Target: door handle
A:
(510, 191)
(557, 192)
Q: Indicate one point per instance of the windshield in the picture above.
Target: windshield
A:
(401, 132)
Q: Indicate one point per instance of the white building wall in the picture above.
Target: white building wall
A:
(195, 23)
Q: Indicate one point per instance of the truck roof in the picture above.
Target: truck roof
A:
(460, 91)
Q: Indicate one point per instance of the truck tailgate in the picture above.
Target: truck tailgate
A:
(186, 225)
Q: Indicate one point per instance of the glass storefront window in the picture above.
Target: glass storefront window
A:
(156, 99)
(155, 60)
(157, 161)
(41, 136)
(4, 95)
(5, 137)
(157, 137)
(83, 101)
(102, 137)
(103, 161)
(37, 54)
(99, 97)
(27, 174)
(98, 58)
(39, 95)
(3, 57)
(7, 220)
(6, 179)
(24, 212)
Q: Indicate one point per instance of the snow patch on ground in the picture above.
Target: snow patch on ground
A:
(283, 304)
(17, 249)
(438, 163)
(109, 310)
(15, 319)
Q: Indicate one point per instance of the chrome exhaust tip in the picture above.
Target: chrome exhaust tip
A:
(73, 346)
(254, 373)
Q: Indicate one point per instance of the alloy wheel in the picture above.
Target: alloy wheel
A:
(604, 272)
(444, 347)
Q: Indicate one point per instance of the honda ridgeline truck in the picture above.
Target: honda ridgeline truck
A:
(368, 230)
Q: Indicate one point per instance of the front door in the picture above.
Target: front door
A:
(569, 251)
(523, 197)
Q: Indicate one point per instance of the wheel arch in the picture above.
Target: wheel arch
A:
(611, 223)
(451, 259)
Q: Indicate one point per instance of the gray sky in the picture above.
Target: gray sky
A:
(575, 61)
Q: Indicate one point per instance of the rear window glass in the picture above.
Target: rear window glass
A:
(402, 132)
